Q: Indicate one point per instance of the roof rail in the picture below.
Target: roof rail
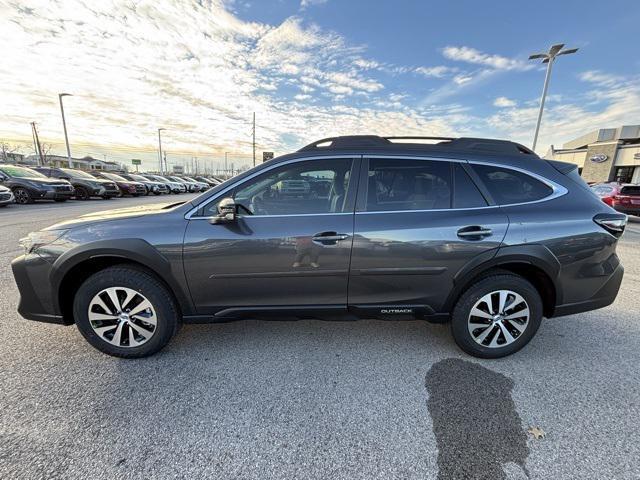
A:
(376, 142)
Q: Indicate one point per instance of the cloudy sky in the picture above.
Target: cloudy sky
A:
(309, 69)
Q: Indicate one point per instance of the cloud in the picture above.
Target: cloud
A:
(437, 72)
(599, 78)
(504, 102)
(471, 55)
(309, 3)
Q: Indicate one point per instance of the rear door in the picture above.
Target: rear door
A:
(418, 221)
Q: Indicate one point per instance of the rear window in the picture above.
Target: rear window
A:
(508, 186)
(630, 190)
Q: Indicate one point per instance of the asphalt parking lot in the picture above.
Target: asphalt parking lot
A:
(311, 399)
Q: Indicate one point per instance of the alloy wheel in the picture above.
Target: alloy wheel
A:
(21, 196)
(498, 318)
(122, 317)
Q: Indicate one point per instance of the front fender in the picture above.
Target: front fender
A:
(132, 249)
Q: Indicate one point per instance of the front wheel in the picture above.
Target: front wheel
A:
(125, 312)
(497, 316)
(22, 196)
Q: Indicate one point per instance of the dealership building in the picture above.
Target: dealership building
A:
(605, 155)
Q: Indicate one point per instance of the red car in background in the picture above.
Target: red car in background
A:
(624, 197)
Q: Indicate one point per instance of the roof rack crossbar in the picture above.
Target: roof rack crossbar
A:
(376, 142)
(419, 138)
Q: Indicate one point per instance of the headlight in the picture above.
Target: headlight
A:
(35, 240)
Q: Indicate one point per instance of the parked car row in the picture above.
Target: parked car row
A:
(624, 197)
(24, 185)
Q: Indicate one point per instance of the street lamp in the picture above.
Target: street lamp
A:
(548, 58)
(64, 125)
(160, 148)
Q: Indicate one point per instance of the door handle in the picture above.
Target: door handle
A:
(474, 232)
(329, 237)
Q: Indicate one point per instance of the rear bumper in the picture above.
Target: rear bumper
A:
(31, 273)
(603, 297)
(628, 209)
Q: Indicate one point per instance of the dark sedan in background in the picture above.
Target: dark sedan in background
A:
(28, 185)
(152, 186)
(127, 187)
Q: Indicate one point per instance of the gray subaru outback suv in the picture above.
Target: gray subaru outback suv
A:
(481, 233)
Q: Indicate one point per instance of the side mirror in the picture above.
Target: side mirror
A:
(227, 212)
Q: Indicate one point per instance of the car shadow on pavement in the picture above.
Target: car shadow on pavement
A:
(478, 430)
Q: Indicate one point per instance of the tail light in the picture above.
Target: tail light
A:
(611, 222)
(622, 200)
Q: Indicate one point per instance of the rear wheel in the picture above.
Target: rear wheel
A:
(82, 193)
(125, 312)
(497, 316)
(22, 196)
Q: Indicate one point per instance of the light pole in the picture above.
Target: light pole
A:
(160, 149)
(64, 125)
(548, 58)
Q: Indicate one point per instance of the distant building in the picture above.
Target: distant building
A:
(604, 155)
(84, 163)
(7, 157)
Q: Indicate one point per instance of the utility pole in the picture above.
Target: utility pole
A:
(226, 154)
(64, 125)
(37, 138)
(548, 58)
(254, 139)
(160, 149)
(33, 134)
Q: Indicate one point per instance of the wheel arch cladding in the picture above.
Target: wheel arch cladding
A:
(75, 266)
(534, 263)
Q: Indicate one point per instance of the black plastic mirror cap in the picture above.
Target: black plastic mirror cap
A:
(614, 223)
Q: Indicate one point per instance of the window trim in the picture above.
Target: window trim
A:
(557, 189)
(350, 194)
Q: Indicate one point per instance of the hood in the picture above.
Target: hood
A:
(103, 181)
(109, 215)
(46, 181)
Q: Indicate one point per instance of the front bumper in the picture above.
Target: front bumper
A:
(6, 198)
(52, 194)
(602, 298)
(31, 273)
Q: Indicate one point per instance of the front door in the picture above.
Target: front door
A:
(418, 222)
(289, 246)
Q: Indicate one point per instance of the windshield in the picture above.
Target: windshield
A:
(77, 173)
(113, 176)
(157, 178)
(21, 172)
(138, 178)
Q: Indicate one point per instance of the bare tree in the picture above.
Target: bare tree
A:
(6, 149)
(46, 153)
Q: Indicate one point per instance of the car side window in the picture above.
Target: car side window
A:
(465, 192)
(508, 186)
(308, 187)
(399, 184)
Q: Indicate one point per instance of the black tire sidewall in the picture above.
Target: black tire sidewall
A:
(28, 199)
(466, 301)
(147, 285)
(84, 193)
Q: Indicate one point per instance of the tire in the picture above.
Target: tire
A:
(22, 196)
(82, 193)
(492, 341)
(143, 285)
(107, 197)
